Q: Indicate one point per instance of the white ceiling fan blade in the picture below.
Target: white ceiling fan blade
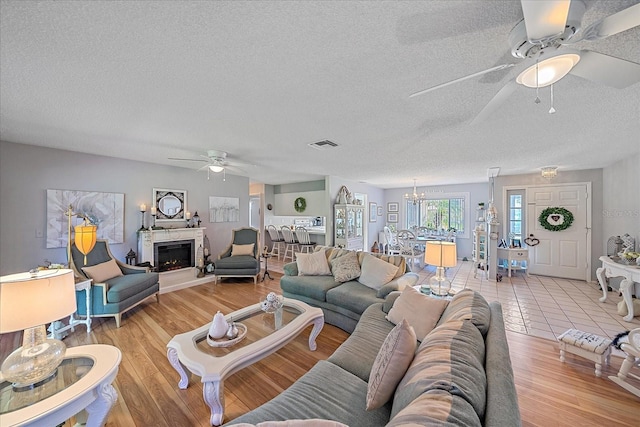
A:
(544, 18)
(470, 76)
(614, 24)
(187, 160)
(495, 102)
(606, 70)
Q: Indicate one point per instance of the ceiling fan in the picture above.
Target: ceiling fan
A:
(216, 161)
(541, 39)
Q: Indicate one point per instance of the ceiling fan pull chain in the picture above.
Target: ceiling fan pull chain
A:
(552, 110)
(537, 100)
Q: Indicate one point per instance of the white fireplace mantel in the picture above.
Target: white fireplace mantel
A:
(147, 238)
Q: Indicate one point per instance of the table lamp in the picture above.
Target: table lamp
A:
(441, 255)
(28, 301)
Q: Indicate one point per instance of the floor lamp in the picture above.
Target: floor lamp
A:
(441, 255)
(29, 301)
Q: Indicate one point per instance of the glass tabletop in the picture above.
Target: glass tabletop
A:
(69, 372)
(259, 325)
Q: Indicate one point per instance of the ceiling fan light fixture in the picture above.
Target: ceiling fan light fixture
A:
(549, 71)
(216, 168)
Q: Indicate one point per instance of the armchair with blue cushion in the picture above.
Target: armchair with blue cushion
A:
(116, 287)
(240, 259)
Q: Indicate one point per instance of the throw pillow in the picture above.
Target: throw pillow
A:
(237, 250)
(346, 267)
(421, 311)
(391, 364)
(376, 272)
(313, 264)
(103, 272)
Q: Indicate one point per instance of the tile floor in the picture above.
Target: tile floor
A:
(537, 305)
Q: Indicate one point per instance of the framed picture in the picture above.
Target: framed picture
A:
(373, 212)
(516, 243)
(392, 217)
(224, 209)
(393, 207)
(171, 205)
(379, 210)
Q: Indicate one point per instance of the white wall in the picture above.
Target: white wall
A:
(27, 171)
(621, 200)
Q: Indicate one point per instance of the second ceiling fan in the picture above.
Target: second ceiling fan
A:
(541, 39)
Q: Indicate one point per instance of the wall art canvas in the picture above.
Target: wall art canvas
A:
(373, 212)
(224, 209)
(106, 210)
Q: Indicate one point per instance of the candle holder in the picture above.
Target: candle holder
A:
(196, 220)
(143, 209)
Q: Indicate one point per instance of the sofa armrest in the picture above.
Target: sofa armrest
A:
(390, 300)
(398, 284)
(132, 269)
(290, 269)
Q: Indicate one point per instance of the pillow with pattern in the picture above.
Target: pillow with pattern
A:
(346, 267)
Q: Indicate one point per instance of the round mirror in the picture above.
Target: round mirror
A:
(169, 205)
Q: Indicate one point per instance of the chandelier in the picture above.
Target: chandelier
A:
(415, 197)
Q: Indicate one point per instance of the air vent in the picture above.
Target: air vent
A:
(321, 145)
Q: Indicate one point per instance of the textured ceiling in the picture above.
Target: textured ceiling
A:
(261, 80)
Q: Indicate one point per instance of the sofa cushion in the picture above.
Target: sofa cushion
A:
(295, 423)
(327, 392)
(237, 250)
(376, 272)
(122, 287)
(360, 350)
(436, 408)
(353, 296)
(314, 287)
(346, 267)
(312, 264)
(390, 365)
(421, 311)
(468, 305)
(451, 358)
(396, 260)
(102, 272)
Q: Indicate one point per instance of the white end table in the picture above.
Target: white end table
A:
(515, 258)
(83, 382)
(81, 285)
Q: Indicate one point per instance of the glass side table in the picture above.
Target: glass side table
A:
(81, 385)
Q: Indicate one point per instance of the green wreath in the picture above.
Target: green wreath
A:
(300, 204)
(567, 219)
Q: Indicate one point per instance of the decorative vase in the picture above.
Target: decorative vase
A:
(232, 330)
(218, 328)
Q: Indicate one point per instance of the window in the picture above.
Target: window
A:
(440, 213)
(515, 226)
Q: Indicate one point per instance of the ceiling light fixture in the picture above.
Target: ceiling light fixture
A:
(415, 197)
(549, 71)
(216, 168)
(549, 172)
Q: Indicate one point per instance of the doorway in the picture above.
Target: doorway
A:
(565, 253)
(254, 212)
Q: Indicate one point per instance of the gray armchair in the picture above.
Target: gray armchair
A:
(239, 264)
(113, 296)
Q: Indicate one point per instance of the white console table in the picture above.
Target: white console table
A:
(631, 273)
(517, 259)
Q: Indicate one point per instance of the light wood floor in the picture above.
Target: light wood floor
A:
(550, 393)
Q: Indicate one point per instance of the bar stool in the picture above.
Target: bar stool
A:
(304, 240)
(278, 242)
(291, 245)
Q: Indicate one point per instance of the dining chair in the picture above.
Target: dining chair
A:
(290, 243)
(390, 242)
(409, 248)
(304, 240)
(631, 347)
(277, 240)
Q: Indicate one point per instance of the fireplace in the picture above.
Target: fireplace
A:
(174, 255)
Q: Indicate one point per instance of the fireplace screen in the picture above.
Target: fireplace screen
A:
(174, 255)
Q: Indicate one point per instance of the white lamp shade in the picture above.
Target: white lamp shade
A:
(440, 254)
(27, 301)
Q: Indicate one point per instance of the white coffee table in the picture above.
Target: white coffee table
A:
(189, 352)
(83, 382)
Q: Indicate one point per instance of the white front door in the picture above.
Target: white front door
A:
(563, 253)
